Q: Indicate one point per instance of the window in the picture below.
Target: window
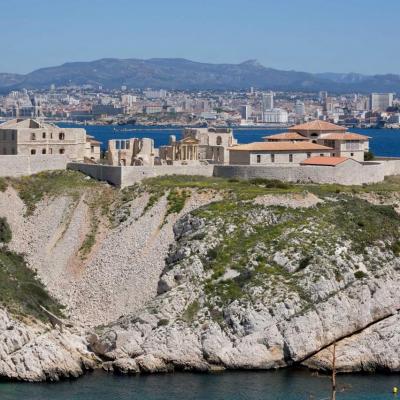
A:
(258, 158)
(308, 155)
(51, 135)
(314, 135)
(33, 152)
(290, 157)
(351, 154)
(62, 151)
(4, 135)
(61, 135)
(13, 136)
(50, 151)
(92, 149)
(322, 155)
(123, 145)
(219, 140)
(44, 135)
(272, 158)
(43, 151)
(33, 136)
(118, 145)
(127, 144)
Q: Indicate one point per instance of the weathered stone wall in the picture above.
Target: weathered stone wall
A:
(126, 176)
(391, 165)
(346, 174)
(16, 165)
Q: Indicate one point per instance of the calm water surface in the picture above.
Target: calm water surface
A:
(383, 142)
(278, 385)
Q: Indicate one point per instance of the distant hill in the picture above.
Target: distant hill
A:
(173, 73)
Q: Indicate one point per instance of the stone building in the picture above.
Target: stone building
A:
(134, 151)
(276, 153)
(33, 137)
(199, 145)
(344, 143)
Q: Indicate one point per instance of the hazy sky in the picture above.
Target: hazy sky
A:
(307, 35)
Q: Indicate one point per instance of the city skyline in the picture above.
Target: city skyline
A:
(313, 36)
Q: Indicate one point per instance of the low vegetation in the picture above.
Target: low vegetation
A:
(20, 291)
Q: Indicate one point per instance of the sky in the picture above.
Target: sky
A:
(303, 35)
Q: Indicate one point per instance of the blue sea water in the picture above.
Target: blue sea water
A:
(276, 385)
(383, 142)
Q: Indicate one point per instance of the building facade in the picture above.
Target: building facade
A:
(276, 153)
(33, 137)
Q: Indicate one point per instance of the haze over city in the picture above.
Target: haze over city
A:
(311, 35)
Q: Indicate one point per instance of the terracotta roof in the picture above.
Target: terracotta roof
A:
(286, 136)
(280, 146)
(344, 136)
(317, 125)
(329, 161)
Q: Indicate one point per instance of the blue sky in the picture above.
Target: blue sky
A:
(306, 35)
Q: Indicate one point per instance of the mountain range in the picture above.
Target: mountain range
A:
(177, 73)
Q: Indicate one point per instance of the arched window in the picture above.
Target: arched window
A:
(33, 136)
(219, 140)
(43, 151)
(33, 152)
(62, 151)
(61, 135)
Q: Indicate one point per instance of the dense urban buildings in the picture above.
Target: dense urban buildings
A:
(94, 105)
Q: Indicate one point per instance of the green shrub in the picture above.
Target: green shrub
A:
(360, 274)
(162, 322)
(5, 231)
(369, 156)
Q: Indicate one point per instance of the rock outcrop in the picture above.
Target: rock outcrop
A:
(31, 351)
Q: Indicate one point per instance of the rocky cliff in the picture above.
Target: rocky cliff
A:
(204, 274)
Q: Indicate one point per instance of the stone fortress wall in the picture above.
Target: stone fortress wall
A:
(19, 165)
(344, 174)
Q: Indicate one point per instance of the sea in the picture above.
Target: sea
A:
(383, 142)
(283, 384)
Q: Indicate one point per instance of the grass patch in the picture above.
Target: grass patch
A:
(35, 188)
(20, 290)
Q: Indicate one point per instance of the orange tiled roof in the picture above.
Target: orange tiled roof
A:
(317, 125)
(286, 136)
(329, 161)
(280, 146)
(344, 136)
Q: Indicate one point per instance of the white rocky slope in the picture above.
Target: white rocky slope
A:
(121, 272)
